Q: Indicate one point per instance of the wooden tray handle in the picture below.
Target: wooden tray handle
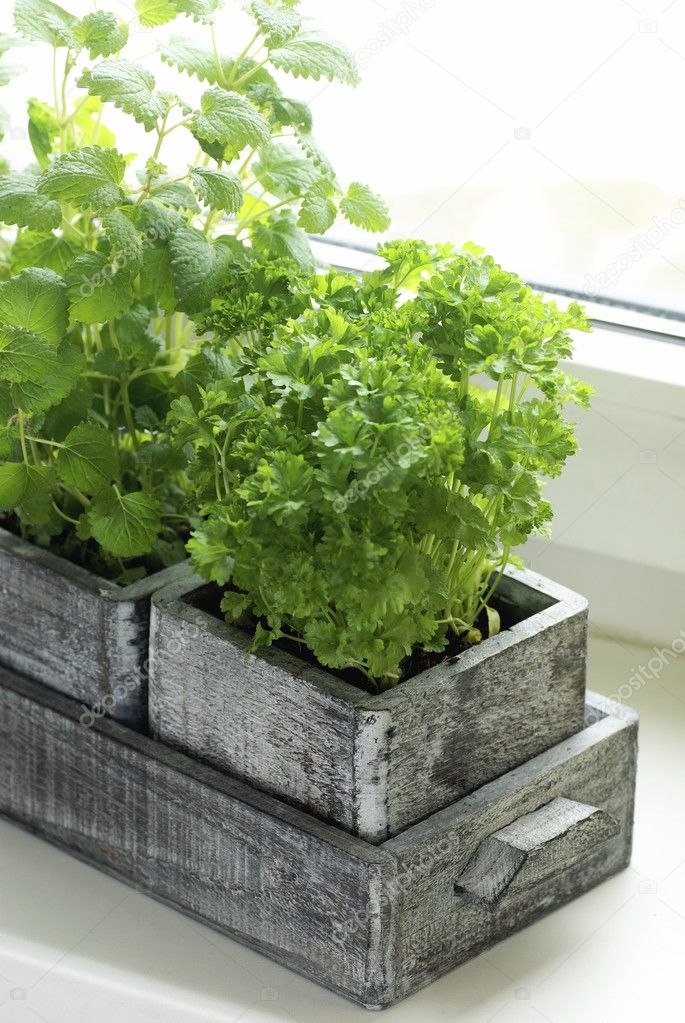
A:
(533, 848)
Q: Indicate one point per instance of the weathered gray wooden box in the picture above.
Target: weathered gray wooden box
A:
(80, 634)
(372, 765)
(372, 922)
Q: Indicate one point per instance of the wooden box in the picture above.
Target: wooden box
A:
(372, 922)
(80, 634)
(371, 764)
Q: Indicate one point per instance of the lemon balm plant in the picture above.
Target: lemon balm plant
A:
(112, 251)
(106, 254)
(362, 489)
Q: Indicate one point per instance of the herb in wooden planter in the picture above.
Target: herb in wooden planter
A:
(112, 252)
(362, 491)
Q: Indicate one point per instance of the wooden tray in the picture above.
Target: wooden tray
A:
(372, 922)
(83, 635)
(372, 765)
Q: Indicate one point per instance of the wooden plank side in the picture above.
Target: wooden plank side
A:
(282, 882)
(476, 722)
(251, 715)
(441, 926)
(81, 635)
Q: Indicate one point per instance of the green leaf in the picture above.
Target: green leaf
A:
(311, 147)
(219, 190)
(88, 177)
(317, 212)
(159, 12)
(43, 130)
(156, 12)
(364, 208)
(124, 239)
(125, 525)
(88, 460)
(43, 249)
(185, 55)
(129, 87)
(101, 33)
(35, 300)
(198, 267)
(41, 393)
(45, 22)
(22, 204)
(20, 482)
(25, 356)
(97, 291)
(8, 72)
(176, 194)
(284, 171)
(280, 236)
(199, 10)
(277, 24)
(312, 55)
(8, 42)
(229, 118)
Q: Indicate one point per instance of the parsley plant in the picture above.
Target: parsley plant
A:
(361, 489)
(112, 252)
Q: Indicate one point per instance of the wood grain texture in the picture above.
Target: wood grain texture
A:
(596, 767)
(372, 923)
(354, 759)
(85, 636)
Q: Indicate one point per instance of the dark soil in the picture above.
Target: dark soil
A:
(208, 598)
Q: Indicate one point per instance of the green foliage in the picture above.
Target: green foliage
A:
(113, 252)
(361, 489)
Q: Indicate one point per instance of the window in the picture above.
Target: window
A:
(545, 132)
